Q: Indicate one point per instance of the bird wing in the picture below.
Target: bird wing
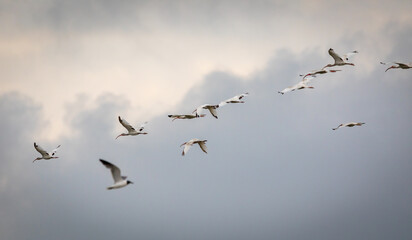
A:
(402, 65)
(213, 111)
(142, 126)
(199, 109)
(288, 89)
(335, 56)
(202, 145)
(186, 149)
(308, 78)
(55, 150)
(117, 177)
(41, 150)
(127, 125)
(242, 95)
(349, 54)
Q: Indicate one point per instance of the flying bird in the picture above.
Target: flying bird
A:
(211, 107)
(339, 61)
(398, 65)
(119, 180)
(235, 99)
(130, 129)
(188, 144)
(321, 71)
(185, 116)
(45, 155)
(350, 124)
(300, 85)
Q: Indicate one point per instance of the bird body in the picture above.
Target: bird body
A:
(45, 155)
(131, 131)
(185, 116)
(339, 61)
(119, 180)
(235, 99)
(350, 124)
(188, 145)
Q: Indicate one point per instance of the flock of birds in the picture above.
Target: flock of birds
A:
(121, 181)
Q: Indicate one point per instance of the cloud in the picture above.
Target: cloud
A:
(274, 168)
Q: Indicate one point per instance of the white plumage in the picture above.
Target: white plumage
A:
(339, 61)
(188, 144)
(45, 155)
(119, 180)
(235, 99)
(131, 131)
(211, 107)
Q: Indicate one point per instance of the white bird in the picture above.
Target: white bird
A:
(211, 107)
(398, 65)
(119, 180)
(339, 61)
(188, 144)
(235, 99)
(130, 128)
(300, 85)
(321, 71)
(350, 124)
(45, 155)
(185, 116)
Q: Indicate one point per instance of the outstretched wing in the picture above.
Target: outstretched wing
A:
(242, 95)
(55, 150)
(349, 54)
(117, 177)
(213, 111)
(127, 125)
(186, 149)
(199, 110)
(41, 150)
(335, 56)
(402, 65)
(142, 126)
(202, 145)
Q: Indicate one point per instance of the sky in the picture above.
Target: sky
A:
(275, 169)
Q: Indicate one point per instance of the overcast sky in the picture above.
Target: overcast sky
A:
(274, 169)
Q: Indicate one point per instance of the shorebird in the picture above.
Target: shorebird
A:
(300, 85)
(339, 61)
(119, 180)
(188, 144)
(45, 155)
(235, 99)
(185, 116)
(211, 107)
(398, 65)
(350, 124)
(130, 129)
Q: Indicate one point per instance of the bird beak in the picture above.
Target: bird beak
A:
(119, 136)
